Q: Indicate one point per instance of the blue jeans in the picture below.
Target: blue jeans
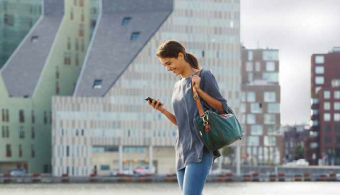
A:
(192, 178)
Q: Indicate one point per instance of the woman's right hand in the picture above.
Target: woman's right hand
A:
(157, 107)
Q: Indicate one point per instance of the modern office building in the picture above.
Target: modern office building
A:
(107, 125)
(260, 107)
(324, 145)
(46, 63)
(16, 19)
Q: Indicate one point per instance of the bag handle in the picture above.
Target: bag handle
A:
(198, 101)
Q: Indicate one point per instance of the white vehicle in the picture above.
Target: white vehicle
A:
(300, 162)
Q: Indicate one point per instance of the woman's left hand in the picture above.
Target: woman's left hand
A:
(196, 81)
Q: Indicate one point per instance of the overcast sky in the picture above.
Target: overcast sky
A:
(298, 28)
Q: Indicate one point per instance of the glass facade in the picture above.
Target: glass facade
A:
(16, 20)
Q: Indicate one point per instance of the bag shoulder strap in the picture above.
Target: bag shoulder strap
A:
(198, 101)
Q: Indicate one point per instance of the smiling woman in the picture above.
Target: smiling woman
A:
(193, 159)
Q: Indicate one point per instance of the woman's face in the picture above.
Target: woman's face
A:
(174, 64)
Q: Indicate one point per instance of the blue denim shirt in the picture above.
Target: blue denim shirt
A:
(188, 146)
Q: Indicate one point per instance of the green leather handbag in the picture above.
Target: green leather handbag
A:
(216, 130)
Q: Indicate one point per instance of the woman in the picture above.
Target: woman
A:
(193, 160)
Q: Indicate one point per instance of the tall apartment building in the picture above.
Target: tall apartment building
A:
(46, 63)
(260, 107)
(16, 19)
(107, 124)
(324, 144)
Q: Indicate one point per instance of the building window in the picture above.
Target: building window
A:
(319, 59)
(256, 108)
(317, 89)
(256, 130)
(21, 116)
(81, 3)
(5, 131)
(327, 140)
(326, 116)
(319, 70)
(134, 36)
(250, 77)
(251, 97)
(9, 20)
(105, 167)
(8, 150)
(71, 14)
(337, 128)
(57, 88)
(270, 66)
(269, 141)
(319, 80)
(81, 30)
(82, 15)
(337, 140)
(243, 108)
(33, 117)
(77, 44)
(336, 105)
(253, 141)
(57, 74)
(68, 43)
(77, 59)
(126, 21)
(314, 145)
(45, 117)
(21, 132)
(249, 66)
(326, 106)
(335, 82)
(336, 94)
(203, 54)
(67, 151)
(270, 55)
(269, 96)
(269, 119)
(314, 123)
(257, 66)
(20, 150)
(273, 108)
(67, 58)
(250, 56)
(251, 118)
(33, 133)
(314, 112)
(5, 115)
(327, 128)
(337, 117)
(34, 38)
(32, 151)
(82, 45)
(97, 84)
(327, 94)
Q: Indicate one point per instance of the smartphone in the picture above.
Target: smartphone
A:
(150, 99)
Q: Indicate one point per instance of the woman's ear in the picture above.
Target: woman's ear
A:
(180, 56)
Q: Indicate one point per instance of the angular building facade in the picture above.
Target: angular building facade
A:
(16, 19)
(324, 142)
(260, 107)
(107, 125)
(46, 63)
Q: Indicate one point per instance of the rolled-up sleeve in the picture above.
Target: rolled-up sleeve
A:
(210, 86)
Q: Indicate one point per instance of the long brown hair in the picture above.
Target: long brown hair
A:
(170, 49)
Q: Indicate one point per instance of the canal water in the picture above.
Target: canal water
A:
(262, 188)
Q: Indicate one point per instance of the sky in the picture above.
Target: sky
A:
(298, 28)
